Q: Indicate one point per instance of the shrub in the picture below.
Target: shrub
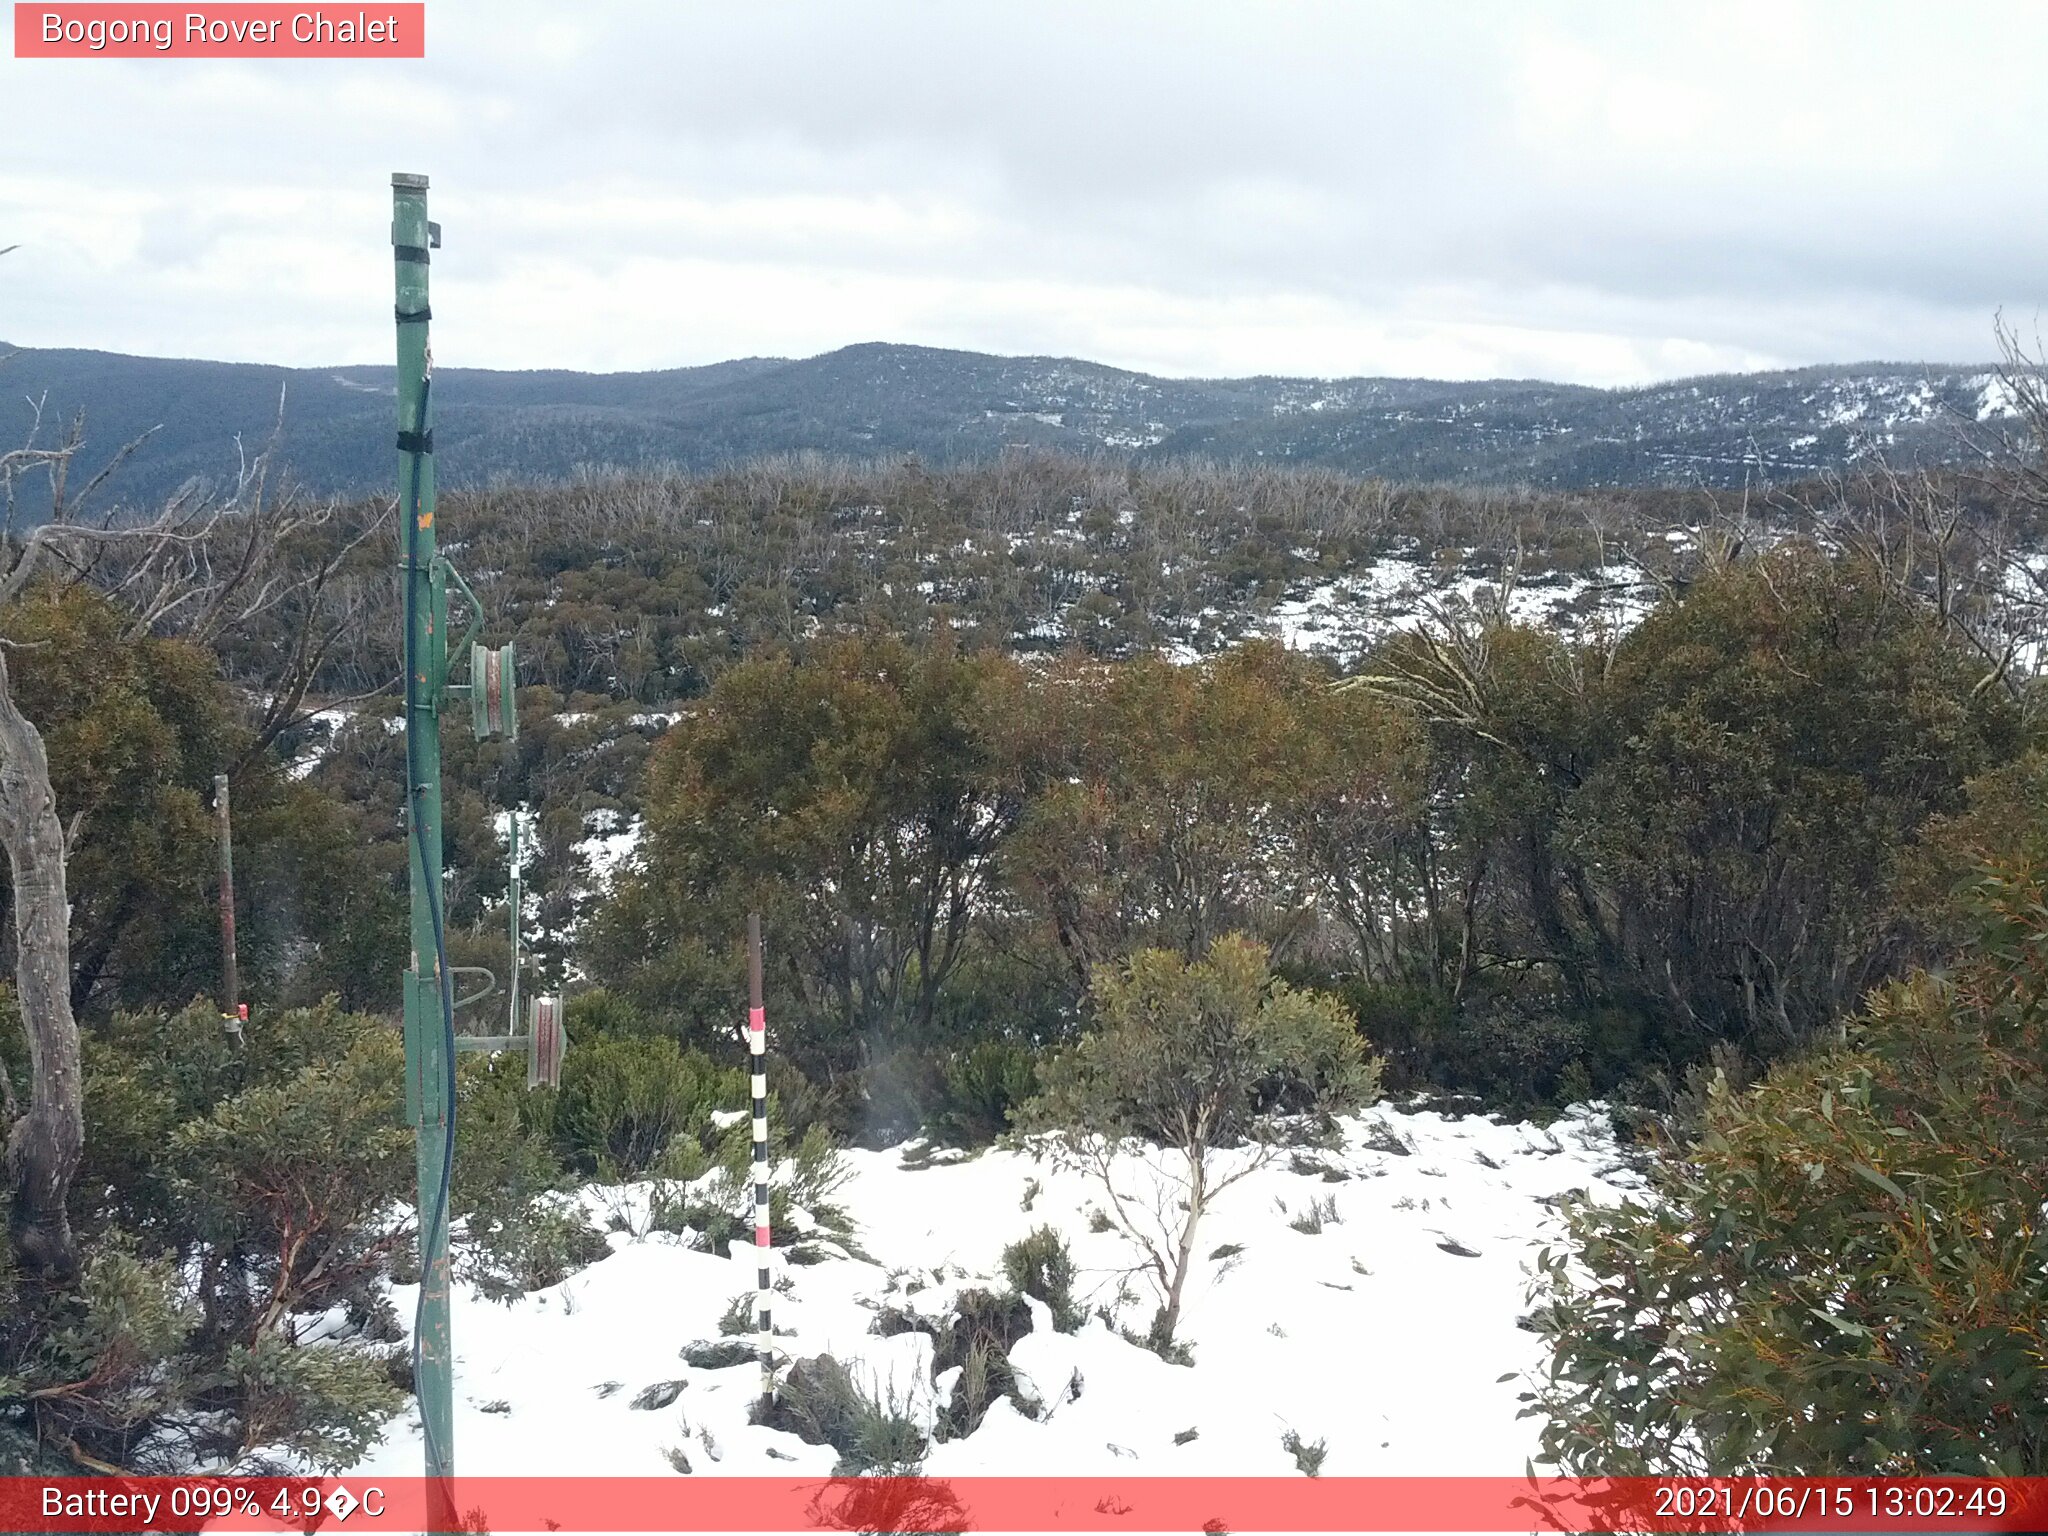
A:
(1189, 1054)
(741, 1315)
(984, 1086)
(1308, 1454)
(820, 1402)
(624, 1098)
(227, 1194)
(1040, 1266)
(977, 1337)
(706, 1356)
(516, 1235)
(600, 1011)
(1320, 1213)
(1845, 1274)
(1517, 1053)
(722, 1209)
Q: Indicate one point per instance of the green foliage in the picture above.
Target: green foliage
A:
(722, 1355)
(985, 1085)
(1770, 745)
(1157, 793)
(135, 729)
(1039, 1265)
(517, 1234)
(977, 1337)
(849, 803)
(228, 1195)
(1189, 1054)
(624, 1098)
(599, 1011)
(323, 1406)
(1194, 1056)
(739, 1316)
(819, 1401)
(231, 1196)
(1845, 1273)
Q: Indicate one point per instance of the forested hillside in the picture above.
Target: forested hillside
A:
(1629, 794)
(879, 401)
(1415, 739)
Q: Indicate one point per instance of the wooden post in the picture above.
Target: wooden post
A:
(231, 978)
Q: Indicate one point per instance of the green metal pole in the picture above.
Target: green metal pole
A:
(428, 1057)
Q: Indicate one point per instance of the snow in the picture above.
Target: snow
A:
(332, 722)
(1345, 616)
(1995, 396)
(609, 846)
(1370, 1334)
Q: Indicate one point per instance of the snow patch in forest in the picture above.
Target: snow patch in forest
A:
(330, 723)
(1383, 1334)
(1347, 615)
(610, 844)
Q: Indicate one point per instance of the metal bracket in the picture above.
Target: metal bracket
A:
(446, 567)
(489, 988)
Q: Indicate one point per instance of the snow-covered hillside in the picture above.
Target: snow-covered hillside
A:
(1383, 1335)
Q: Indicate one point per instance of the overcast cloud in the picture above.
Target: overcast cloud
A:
(1601, 193)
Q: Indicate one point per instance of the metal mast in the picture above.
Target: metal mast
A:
(429, 989)
(431, 1041)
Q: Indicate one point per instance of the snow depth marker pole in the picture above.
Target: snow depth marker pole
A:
(757, 1048)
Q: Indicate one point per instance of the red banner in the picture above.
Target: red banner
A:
(1105, 1503)
(103, 31)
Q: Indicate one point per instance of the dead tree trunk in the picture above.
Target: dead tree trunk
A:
(45, 1144)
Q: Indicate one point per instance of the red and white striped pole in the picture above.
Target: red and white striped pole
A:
(757, 1047)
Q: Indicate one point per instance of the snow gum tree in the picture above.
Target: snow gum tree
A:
(1194, 1056)
(198, 569)
(1846, 1272)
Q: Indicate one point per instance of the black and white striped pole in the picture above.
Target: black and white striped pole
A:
(757, 1049)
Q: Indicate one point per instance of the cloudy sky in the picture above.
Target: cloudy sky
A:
(1602, 193)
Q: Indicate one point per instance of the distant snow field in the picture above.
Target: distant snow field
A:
(1384, 1334)
(1347, 615)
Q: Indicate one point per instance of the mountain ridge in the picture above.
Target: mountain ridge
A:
(884, 399)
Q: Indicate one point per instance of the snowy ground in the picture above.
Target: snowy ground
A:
(1345, 616)
(1372, 1335)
